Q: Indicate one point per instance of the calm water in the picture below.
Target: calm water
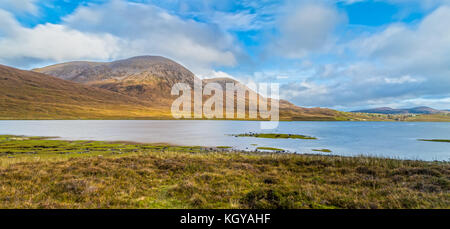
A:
(387, 139)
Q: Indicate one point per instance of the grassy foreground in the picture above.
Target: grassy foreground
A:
(41, 173)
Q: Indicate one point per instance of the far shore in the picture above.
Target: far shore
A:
(250, 120)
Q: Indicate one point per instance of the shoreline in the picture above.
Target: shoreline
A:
(226, 149)
(230, 149)
(243, 120)
(86, 174)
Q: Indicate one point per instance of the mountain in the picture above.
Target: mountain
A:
(288, 111)
(423, 110)
(150, 79)
(146, 77)
(135, 88)
(31, 95)
(388, 110)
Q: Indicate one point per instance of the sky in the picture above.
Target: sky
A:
(341, 54)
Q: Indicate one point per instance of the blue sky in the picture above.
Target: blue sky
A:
(342, 54)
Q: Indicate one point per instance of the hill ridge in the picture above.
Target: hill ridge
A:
(153, 80)
(389, 110)
(30, 95)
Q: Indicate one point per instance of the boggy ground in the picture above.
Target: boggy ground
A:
(41, 173)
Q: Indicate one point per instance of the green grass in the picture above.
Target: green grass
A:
(270, 148)
(322, 150)
(285, 136)
(20, 148)
(435, 140)
(42, 173)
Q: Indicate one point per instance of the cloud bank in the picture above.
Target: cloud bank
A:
(401, 62)
(309, 47)
(306, 28)
(118, 29)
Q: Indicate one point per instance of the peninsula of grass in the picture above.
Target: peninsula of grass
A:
(322, 150)
(435, 140)
(43, 173)
(269, 149)
(285, 136)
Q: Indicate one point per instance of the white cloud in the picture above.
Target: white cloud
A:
(355, 85)
(306, 28)
(425, 4)
(397, 65)
(51, 42)
(19, 6)
(147, 29)
(402, 80)
(118, 29)
(303, 90)
(217, 74)
(349, 2)
(438, 103)
(421, 50)
(240, 21)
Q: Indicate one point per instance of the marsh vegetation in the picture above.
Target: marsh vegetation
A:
(43, 173)
(270, 149)
(435, 140)
(322, 150)
(286, 136)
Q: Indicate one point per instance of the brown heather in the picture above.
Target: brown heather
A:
(124, 175)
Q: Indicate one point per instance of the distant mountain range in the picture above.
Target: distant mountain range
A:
(135, 88)
(415, 110)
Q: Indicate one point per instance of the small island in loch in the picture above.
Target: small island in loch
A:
(269, 135)
(435, 140)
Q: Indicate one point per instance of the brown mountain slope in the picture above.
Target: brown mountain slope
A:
(146, 77)
(141, 68)
(30, 95)
(150, 78)
(288, 111)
